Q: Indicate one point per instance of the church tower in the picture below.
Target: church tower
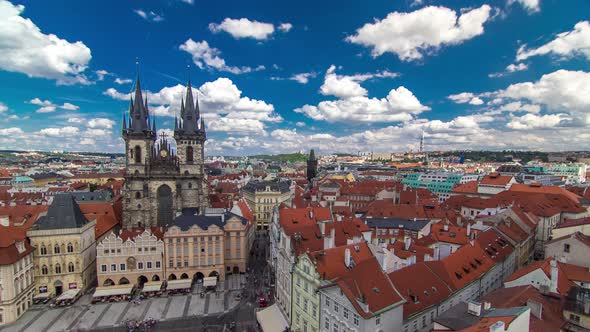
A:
(159, 182)
(312, 166)
(190, 136)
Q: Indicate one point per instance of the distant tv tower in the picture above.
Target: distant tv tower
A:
(422, 142)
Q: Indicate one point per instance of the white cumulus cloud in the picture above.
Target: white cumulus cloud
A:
(57, 132)
(205, 56)
(25, 49)
(243, 28)
(412, 35)
(565, 44)
(101, 123)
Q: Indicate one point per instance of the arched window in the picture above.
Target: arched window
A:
(71, 267)
(138, 195)
(56, 249)
(43, 250)
(190, 185)
(189, 154)
(57, 268)
(70, 247)
(137, 154)
(44, 270)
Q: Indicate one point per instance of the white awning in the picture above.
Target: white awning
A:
(70, 294)
(152, 286)
(41, 296)
(179, 284)
(209, 281)
(113, 290)
(271, 319)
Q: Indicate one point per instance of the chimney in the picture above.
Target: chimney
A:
(4, 221)
(311, 214)
(339, 218)
(474, 308)
(487, 306)
(498, 327)
(347, 258)
(446, 228)
(536, 308)
(407, 243)
(468, 230)
(436, 254)
(323, 228)
(554, 276)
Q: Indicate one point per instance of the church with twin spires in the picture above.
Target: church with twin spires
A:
(161, 181)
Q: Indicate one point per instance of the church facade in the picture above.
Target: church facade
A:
(161, 182)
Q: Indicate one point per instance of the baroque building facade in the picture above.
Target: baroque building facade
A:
(159, 182)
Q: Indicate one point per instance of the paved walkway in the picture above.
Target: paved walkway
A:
(84, 316)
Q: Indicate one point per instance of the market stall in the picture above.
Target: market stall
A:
(68, 297)
(209, 282)
(112, 293)
(271, 319)
(152, 288)
(179, 286)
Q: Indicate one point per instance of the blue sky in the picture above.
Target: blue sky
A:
(342, 76)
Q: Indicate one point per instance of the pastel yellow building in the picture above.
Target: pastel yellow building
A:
(210, 245)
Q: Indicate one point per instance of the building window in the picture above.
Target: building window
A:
(345, 313)
(566, 247)
(423, 321)
(71, 267)
(122, 267)
(70, 247)
(336, 307)
(327, 302)
(57, 269)
(335, 327)
(171, 263)
(140, 265)
(305, 305)
(103, 268)
(113, 267)
(327, 324)
(137, 154)
(355, 319)
(43, 250)
(56, 249)
(44, 270)
(149, 265)
(158, 264)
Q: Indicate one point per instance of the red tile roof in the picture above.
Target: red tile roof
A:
(495, 179)
(386, 209)
(466, 188)
(453, 234)
(574, 222)
(539, 189)
(464, 266)
(105, 215)
(551, 316)
(416, 250)
(20, 219)
(563, 279)
(377, 291)
(430, 291)
(584, 239)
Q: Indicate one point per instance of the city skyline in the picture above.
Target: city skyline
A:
(492, 75)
